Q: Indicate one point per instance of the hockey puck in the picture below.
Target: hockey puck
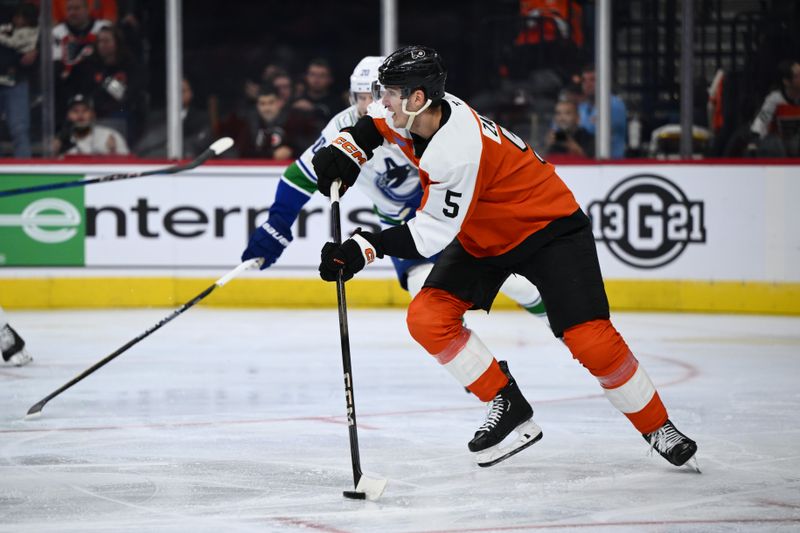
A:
(354, 495)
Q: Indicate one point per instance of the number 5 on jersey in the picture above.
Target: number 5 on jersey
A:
(449, 198)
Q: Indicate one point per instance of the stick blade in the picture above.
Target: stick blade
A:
(371, 487)
(36, 410)
(221, 145)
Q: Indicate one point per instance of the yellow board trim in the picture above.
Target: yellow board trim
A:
(628, 295)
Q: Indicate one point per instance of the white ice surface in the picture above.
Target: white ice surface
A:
(232, 420)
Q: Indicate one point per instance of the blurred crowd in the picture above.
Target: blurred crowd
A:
(546, 93)
(102, 105)
(547, 82)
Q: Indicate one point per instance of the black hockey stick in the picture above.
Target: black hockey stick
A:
(216, 148)
(36, 409)
(366, 487)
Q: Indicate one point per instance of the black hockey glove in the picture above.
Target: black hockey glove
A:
(349, 257)
(342, 159)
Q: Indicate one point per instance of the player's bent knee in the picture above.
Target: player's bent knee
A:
(597, 345)
(434, 318)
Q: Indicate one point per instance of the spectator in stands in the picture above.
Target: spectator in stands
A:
(73, 42)
(568, 137)
(588, 113)
(268, 139)
(276, 130)
(17, 56)
(98, 9)
(124, 14)
(115, 81)
(80, 134)
(549, 20)
(196, 129)
(550, 38)
(270, 75)
(776, 129)
(318, 96)
(242, 124)
(285, 86)
(73, 38)
(253, 84)
(572, 89)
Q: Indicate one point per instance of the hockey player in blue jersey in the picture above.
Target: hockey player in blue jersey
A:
(387, 179)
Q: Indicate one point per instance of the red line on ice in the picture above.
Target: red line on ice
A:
(690, 373)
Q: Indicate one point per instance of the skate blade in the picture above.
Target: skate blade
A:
(692, 464)
(21, 358)
(528, 434)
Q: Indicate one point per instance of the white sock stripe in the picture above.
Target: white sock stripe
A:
(633, 395)
(471, 362)
(617, 377)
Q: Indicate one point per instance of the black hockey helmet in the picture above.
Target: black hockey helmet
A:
(414, 67)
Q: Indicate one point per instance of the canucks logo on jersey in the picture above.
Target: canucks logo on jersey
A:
(391, 181)
(399, 190)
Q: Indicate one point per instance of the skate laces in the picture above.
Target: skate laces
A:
(495, 412)
(664, 438)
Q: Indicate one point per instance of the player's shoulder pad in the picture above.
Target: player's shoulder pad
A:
(345, 118)
(454, 99)
(458, 145)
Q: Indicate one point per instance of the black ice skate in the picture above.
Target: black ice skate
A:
(12, 347)
(672, 445)
(508, 411)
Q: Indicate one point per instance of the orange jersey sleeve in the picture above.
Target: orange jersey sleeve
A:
(519, 194)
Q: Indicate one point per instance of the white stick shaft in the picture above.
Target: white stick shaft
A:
(335, 191)
(250, 263)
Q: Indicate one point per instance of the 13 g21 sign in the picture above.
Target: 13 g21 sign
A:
(647, 221)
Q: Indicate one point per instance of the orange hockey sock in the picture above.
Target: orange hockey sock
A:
(434, 320)
(601, 349)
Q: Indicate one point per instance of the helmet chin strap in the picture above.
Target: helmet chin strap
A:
(413, 114)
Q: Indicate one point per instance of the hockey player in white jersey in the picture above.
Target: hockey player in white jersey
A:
(491, 207)
(388, 180)
(12, 347)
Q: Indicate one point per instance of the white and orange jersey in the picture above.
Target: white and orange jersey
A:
(775, 104)
(482, 184)
(388, 180)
